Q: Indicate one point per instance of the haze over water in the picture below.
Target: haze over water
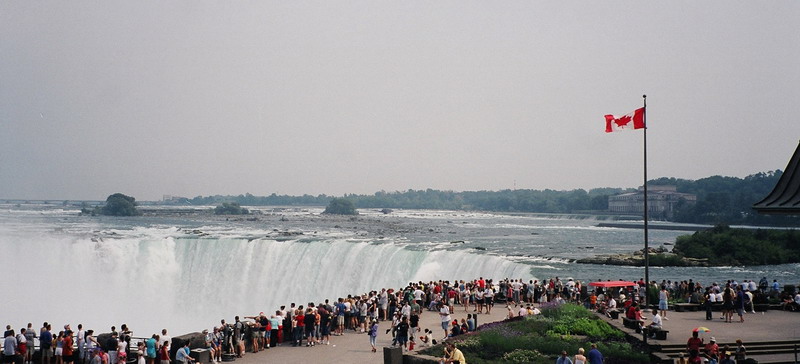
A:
(187, 272)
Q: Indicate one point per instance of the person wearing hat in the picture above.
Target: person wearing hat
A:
(711, 351)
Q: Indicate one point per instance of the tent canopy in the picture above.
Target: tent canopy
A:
(608, 284)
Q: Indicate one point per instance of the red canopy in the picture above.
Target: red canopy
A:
(612, 284)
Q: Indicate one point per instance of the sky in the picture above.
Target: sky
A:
(188, 98)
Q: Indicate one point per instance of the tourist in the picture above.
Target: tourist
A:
(727, 302)
(749, 305)
(373, 334)
(11, 352)
(151, 344)
(182, 354)
(663, 297)
(402, 332)
(255, 332)
(466, 295)
(298, 323)
(238, 336)
(210, 340)
(694, 343)
(595, 356)
(563, 359)
(68, 349)
(30, 335)
(741, 352)
(59, 347)
(427, 338)
(694, 358)
(22, 343)
(163, 352)
(453, 355)
(383, 302)
(739, 303)
(444, 314)
(656, 324)
(46, 343)
(711, 351)
(308, 323)
(141, 349)
(682, 359)
(488, 298)
(111, 347)
(579, 357)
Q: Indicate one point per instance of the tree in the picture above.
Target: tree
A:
(230, 208)
(120, 205)
(341, 206)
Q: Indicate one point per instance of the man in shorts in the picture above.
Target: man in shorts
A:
(340, 311)
(444, 314)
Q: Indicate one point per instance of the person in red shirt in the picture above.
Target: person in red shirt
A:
(694, 344)
(299, 327)
(163, 353)
(68, 350)
(712, 350)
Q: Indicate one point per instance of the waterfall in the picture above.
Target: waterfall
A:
(158, 278)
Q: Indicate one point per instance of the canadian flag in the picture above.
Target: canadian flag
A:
(617, 123)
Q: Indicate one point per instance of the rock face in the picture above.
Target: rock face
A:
(658, 257)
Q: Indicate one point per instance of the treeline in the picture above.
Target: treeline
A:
(720, 200)
(728, 200)
(723, 245)
(546, 201)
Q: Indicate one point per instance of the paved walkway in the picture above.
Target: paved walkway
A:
(354, 347)
(771, 325)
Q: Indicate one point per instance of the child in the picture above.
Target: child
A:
(427, 339)
(373, 334)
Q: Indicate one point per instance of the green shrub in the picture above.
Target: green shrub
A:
(341, 206)
(523, 356)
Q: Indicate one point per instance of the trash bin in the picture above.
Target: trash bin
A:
(201, 355)
(392, 355)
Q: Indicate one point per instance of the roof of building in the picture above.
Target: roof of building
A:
(785, 197)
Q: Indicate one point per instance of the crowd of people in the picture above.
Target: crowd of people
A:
(315, 324)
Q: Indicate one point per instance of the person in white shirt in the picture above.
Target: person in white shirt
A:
(656, 324)
(444, 313)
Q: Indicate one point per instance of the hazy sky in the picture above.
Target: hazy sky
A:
(226, 97)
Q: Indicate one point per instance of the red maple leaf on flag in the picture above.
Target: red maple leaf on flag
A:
(622, 121)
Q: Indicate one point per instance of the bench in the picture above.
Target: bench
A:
(632, 324)
(660, 334)
(680, 307)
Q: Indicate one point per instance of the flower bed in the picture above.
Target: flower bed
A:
(541, 338)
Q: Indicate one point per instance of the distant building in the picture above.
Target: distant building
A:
(170, 199)
(661, 201)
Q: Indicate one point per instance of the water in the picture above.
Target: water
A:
(187, 272)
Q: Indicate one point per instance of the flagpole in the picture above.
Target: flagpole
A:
(646, 245)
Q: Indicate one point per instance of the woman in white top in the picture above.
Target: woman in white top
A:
(488, 298)
(140, 347)
(579, 358)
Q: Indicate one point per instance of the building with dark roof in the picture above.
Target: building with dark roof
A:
(785, 197)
